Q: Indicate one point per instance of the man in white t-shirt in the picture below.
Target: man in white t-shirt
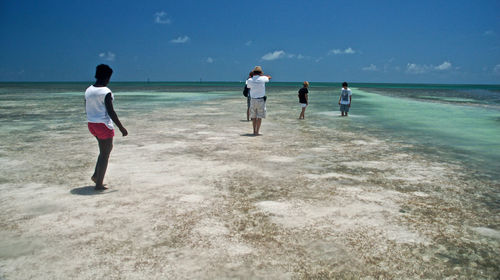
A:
(257, 86)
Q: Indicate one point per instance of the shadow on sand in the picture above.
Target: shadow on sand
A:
(89, 190)
(250, 135)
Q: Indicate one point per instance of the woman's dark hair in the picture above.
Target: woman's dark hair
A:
(103, 72)
(344, 84)
(257, 73)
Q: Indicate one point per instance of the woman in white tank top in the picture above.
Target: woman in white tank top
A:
(100, 117)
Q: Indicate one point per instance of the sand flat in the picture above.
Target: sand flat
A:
(192, 196)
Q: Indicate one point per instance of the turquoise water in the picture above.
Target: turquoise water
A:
(473, 131)
(468, 132)
(455, 122)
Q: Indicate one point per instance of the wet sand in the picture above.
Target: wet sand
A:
(193, 196)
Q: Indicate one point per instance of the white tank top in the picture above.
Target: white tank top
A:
(95, 106)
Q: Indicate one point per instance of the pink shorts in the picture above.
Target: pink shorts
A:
(101, 131)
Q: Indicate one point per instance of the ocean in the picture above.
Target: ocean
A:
(407, 186)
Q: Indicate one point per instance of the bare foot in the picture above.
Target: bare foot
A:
(100, 188)
(93, 179)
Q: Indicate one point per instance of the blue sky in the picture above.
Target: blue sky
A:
(358, 41)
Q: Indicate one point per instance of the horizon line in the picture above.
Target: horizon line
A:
(201, 82)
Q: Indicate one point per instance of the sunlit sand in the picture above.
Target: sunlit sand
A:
(192, 197)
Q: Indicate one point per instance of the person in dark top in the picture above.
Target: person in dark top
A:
(303, 99)
(246, 93)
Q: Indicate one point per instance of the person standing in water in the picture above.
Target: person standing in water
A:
(345, 100)
(100, 117)
(303, 99)
(246, 93)
(257, 86)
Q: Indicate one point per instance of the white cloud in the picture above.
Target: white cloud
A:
(496, 69)
(109, 56)
(282, 54)
(372, 67)
(444, 66)
(161, 18)
(297, 56)
(180, 40)
(349, 51)
(274, 55)
(210, 60)
(248, 43)
(413, 68)
(416, 69)
(339, 51)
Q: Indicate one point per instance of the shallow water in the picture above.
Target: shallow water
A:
(404, 187)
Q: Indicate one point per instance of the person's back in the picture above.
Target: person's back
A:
(303, 99)
(302, 95)
(257, 85)
(345, 99)
(100, 117)
(344, 96)
(95, 105)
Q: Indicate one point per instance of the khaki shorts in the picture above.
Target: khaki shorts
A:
(257, 108)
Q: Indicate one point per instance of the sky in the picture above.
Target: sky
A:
(398, 41)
